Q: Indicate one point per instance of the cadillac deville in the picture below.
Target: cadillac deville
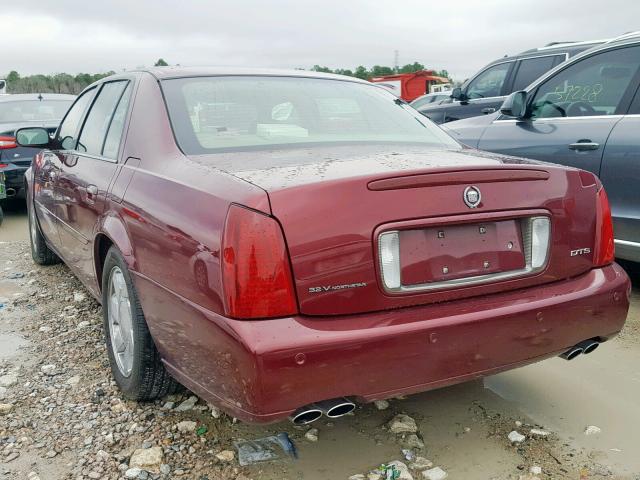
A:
(288, 244)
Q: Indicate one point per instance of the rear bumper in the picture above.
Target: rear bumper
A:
(260, 371)
(14, 180)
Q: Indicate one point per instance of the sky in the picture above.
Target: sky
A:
(41, 36)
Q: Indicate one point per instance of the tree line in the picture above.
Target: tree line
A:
(379, 70)
(56, 83)
(74, 84)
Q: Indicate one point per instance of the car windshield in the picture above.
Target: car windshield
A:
(210, 114)
(17, 111)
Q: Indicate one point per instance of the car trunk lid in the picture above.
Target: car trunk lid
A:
(334, 213)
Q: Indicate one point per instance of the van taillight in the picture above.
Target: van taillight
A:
(7, 142)
(604, 247)
(256, 273)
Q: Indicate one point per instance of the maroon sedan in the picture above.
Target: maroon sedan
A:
(290, 243)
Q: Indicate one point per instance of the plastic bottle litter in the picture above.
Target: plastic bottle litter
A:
(265, 449)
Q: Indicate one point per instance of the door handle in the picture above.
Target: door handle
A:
(92, 190)
(488, 110)
(584, 145)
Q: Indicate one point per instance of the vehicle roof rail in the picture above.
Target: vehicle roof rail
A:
(625, 36)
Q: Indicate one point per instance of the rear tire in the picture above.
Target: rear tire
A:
(40, 251)
(134, 358)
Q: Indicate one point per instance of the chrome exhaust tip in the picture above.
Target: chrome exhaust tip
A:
(572, 353)
(11, 192)
(589, 346)
(305, 415)
(336, 407)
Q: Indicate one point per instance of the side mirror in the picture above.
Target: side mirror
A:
(457, 94)
(32, 137)
(515, 105)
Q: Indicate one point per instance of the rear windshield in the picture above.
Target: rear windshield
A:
(212, 114)
(33, 110)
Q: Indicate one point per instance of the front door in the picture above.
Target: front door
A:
(45, 188)
(87, 172)
(572, 113)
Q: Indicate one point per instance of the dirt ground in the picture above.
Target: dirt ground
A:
(66, 419)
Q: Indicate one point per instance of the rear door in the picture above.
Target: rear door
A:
(49, 167)
(87, 171)
(620, 174)
(572, 112)
(530, 69)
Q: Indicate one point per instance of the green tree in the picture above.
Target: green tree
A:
(411, 68)
(318, 68)
(379, 71)
(362, 72)
(161, 63)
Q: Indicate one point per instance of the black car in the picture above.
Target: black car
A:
(25, 110)
(486, 90)
(583, 114)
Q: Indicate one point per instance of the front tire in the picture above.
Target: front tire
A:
(40, 251)
(134, 358)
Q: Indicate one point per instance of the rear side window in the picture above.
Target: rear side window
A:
(95, 127)
(490, 82)
(114, 134)
(530, 69)
(593, 86)
(70, 127)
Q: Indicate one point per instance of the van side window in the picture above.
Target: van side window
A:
(490, 82)
(530, 69)
(593, 86)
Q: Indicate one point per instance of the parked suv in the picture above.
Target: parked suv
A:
(584, 114)
(485, 91)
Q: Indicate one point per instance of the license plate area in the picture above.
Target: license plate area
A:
(434, 254)
(448, 252)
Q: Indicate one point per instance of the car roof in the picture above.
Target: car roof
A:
(165, 73)
(12, 97)
(553, 48)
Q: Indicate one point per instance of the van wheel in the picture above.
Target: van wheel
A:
(135, 361)
(40, 252)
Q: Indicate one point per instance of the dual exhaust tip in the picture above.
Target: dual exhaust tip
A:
(334, 408)
(584, 347)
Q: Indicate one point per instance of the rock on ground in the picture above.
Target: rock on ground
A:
(226, 456)
(592, 430)
(381, 404)
(435, 473)
(8, 380)
(5, 408)
(186, 426)
(148, 459)
(402, 424)
(421, 463)
(515, 437)
(188, 404)
(312, 435)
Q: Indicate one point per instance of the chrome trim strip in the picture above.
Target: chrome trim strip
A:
(627, 243)
(526, 225)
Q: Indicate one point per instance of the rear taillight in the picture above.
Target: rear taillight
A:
(256, 274)
(7, 142)
(604, 248)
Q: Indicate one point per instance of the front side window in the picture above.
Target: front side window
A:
(70, 127)
(532, 68)
(211, 114)
(95, 127)
(592, 86)
(489, 83)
